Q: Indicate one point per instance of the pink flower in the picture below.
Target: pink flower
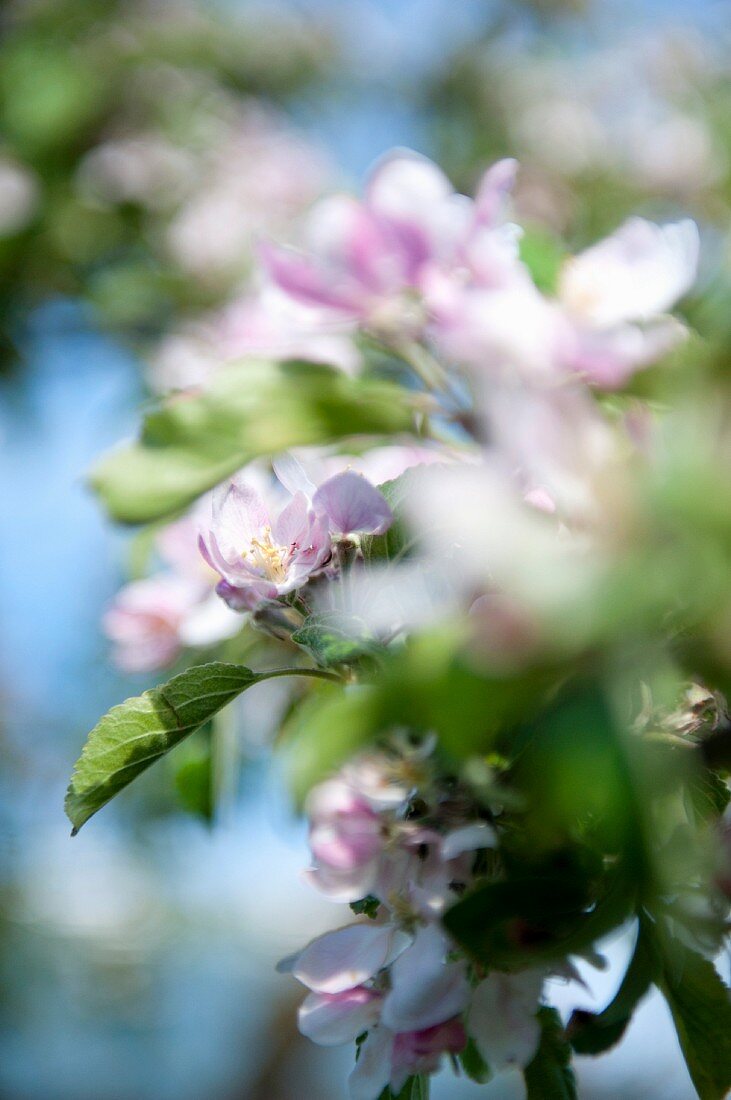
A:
(144, 622)
(346, 839)
(260, 558)
(371, 260)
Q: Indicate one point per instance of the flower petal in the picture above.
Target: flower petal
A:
(502, 1018)
(348, 957)
(352, 504)
(425, 989)
(239, 514)
(330, 1019)
(633, 275)
(468, 839)
(373, 1069)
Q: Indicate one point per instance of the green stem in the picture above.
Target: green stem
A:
(316, 673)
(425, 365)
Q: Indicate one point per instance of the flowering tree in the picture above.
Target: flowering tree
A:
(497, 583)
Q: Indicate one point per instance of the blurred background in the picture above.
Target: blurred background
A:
(144, 146)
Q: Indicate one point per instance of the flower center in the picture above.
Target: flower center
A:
(269, 558)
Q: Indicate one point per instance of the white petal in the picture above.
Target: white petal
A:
(342, 886)
(633, 275)
(373, 1069)
(331, 1020)
(239, 514)
(293, 476)
(425, 989)
(208, 622)
(502, 1018)
(348, 957)
(406, 187)
(468, 839)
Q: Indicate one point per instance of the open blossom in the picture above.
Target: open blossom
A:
(261, 556)
(372, 260)
(608, 319)
(415, 259)
(411, 1022)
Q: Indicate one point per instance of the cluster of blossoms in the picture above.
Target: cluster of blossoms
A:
(517, 503)
(389, 835)
(414, 259)
(420, 266)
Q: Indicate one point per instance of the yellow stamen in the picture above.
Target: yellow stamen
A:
(270, 558)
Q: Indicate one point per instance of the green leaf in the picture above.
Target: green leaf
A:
(549, 1076)
(700, 1004)
(474, 1065)
(395, 543)
(592, 1033)
(508, 923)
(327, 728)
(416, 1088)
(333, 639)
(135, 734)
(367, 906)
(194, 781)
(249, 409)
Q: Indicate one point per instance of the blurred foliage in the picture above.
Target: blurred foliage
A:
(192, 442)
(77, 75)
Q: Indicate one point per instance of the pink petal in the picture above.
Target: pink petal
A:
(635, 274)
(291, 524)
(239, 514)
(352, 504)
(493, 190)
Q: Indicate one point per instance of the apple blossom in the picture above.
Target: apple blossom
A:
(144, 622)
(372, 260)
(258, 557)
